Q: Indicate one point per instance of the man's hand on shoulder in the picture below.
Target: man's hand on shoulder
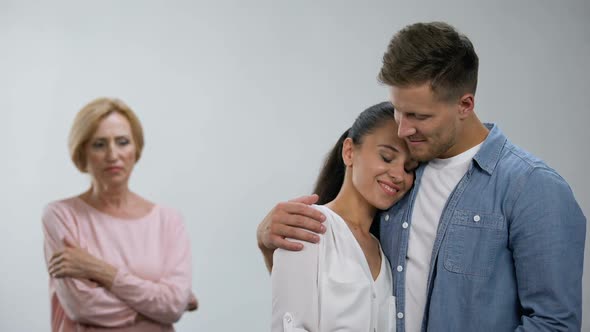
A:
(294, 219)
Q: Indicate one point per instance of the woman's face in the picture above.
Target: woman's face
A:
(110, 152)
(382, 169)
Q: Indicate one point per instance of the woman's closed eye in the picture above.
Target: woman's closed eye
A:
(387, 159)
(98, 144)
(122, 141)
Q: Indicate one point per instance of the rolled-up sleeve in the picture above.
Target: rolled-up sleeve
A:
(294, 279)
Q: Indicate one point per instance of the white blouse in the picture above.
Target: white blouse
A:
(329, 287)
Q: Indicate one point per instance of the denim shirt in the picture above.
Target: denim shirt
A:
(509, 249)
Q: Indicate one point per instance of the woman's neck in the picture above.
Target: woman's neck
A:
(353, 208)
(109, 196)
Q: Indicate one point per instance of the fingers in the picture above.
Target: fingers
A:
(280, 242)
(292, 219)
(55, 255)
(296, 208)
(300, 221)
(58, 264)
(64, 264)
(66, 269)
(59, 270)
(57, 259)
(193, 304)
(298, 230)
(307, 199)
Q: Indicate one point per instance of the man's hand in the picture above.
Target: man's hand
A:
(294, 219)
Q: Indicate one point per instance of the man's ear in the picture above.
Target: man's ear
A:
(347, 151)
(466, 105)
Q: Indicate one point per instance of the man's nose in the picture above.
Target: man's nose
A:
(404, 127)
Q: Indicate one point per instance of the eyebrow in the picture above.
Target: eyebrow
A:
(388, 146)
(106, 138)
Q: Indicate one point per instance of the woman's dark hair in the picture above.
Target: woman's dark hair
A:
(331, 176)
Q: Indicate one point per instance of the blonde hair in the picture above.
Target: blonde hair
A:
(86, 123)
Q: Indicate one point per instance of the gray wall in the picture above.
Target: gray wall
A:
(240, 101)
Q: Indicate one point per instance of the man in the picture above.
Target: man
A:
(490, 238)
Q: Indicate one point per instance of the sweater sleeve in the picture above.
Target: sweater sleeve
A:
(83, 301)
(166, 299)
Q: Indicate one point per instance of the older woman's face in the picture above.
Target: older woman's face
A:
(110, 152)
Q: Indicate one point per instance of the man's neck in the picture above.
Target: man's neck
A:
(472, 133)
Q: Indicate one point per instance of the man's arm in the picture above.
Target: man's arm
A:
(294, 219)
(547, 234)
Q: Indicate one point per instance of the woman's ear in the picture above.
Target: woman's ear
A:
(347, 151)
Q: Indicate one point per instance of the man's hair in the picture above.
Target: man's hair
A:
(433, 53)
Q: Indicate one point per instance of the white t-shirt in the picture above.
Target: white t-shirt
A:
(439, 179)
(329, 286)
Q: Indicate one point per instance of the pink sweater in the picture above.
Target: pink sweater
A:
(152, 255)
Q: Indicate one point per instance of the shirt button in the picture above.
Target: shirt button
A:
(287, 318)
(374, 296)
(476, 218)
(405, 225)
(400, 315)
(386, 217)
(400, 268)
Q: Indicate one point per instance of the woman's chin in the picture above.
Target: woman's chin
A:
(114, 181)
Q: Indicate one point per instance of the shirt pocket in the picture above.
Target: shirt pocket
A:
(472, 242)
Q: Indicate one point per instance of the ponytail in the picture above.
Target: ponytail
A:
(331, 176)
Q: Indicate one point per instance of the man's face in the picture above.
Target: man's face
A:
(428, 125)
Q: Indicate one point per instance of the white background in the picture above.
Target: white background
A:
(240, 101)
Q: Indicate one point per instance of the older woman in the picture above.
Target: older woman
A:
(116, 260)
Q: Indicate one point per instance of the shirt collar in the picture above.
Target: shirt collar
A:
(489, 154)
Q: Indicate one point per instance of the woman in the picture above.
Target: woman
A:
(117, 261)
(344, 282)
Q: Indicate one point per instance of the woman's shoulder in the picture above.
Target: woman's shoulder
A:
(311, 251)
(332, 218)
(62, 212)
(64, 205)
(169, 216)
(168, 212)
